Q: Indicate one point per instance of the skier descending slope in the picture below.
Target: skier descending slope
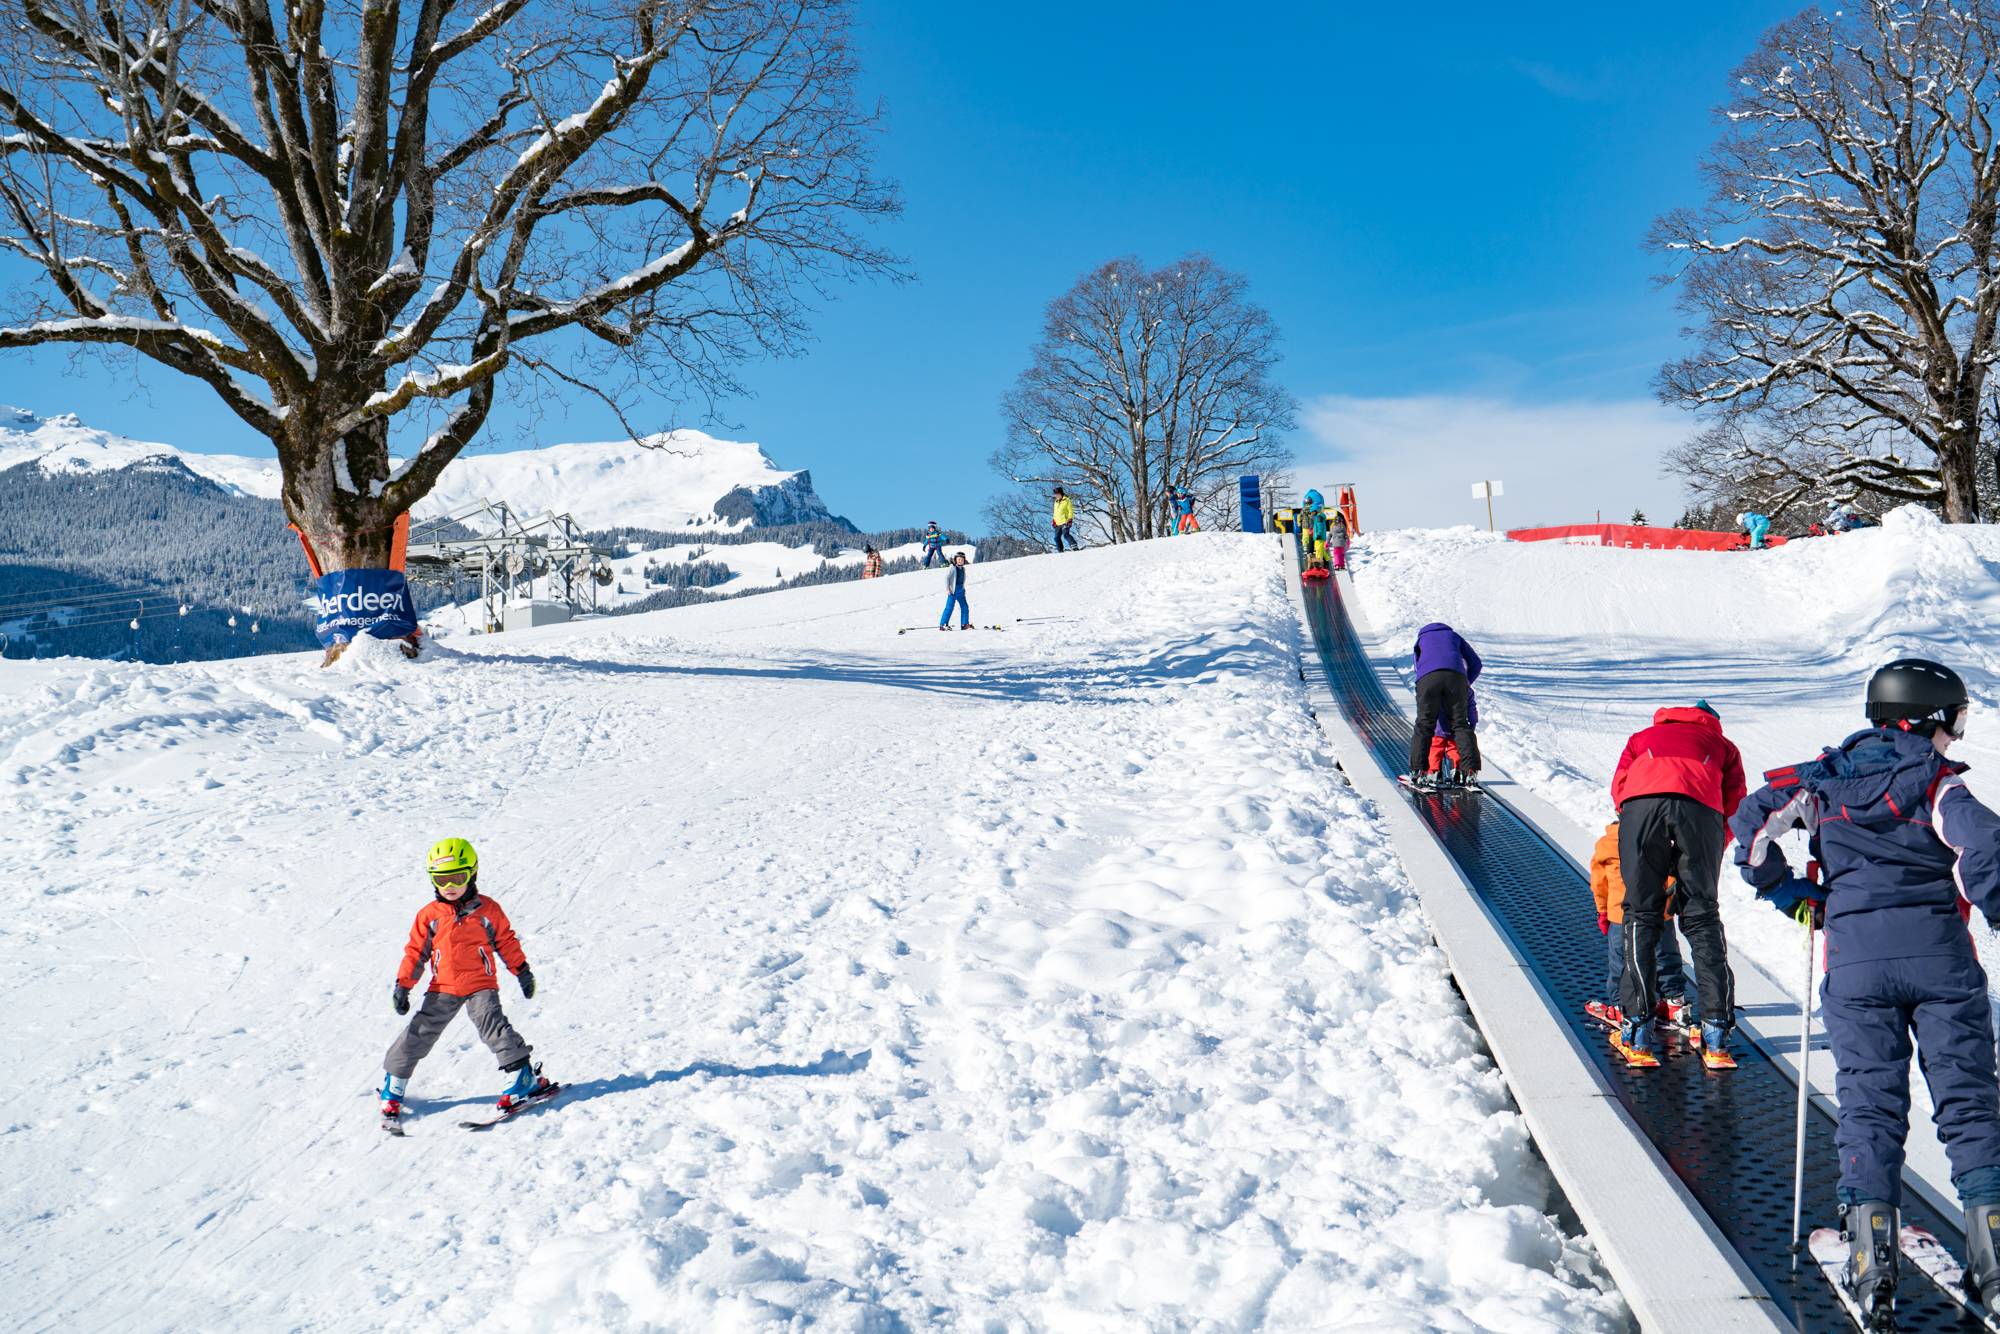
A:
(1676, 783)
(1446, 667)
(1898, 837)
(462, 935)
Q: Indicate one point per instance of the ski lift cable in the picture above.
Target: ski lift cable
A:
(30, 602)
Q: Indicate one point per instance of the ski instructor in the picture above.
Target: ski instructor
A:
(1445, 669)
(1676, 784)
(1899, 839)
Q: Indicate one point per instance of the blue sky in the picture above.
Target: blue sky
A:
(1442, 205)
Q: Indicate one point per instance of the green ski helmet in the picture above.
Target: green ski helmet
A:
(451, 854)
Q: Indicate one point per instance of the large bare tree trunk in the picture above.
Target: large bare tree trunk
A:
(353, 220)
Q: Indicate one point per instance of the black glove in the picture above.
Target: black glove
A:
(527, 980)
(399, 996)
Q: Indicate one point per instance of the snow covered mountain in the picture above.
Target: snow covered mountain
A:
(676, 481)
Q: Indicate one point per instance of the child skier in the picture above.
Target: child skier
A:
(1338, 535)
(871, 564)
(954, 587)
(1607, 887)
(933, 544)
(1676, 785)
(1757, 526)
(1183, 501)
(1444, 747)
(460, 934)
(1061, 515)
(1446, 667)
(1899, 839)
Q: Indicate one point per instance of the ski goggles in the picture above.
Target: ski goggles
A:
(451, 879)
(1954, 721)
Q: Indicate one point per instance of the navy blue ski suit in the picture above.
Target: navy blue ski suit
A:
(1900, 839)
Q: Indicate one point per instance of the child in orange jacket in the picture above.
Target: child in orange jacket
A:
(464, 937)
(1607, 886)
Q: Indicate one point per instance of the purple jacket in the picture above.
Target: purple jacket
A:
(1441, 649)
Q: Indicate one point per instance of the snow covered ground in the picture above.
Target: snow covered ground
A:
(1582, 643)
(754, 565)
(1040, 979)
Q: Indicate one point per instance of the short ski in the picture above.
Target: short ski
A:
(903, 630)
(1922, 1249)
(1829, 1252)
(392, 1125)
(1439, 789)
(534, 1099)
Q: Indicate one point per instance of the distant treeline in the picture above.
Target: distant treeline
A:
(83, 554)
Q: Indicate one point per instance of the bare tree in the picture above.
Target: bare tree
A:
(1842, 277)
(358, 217)
(1144, 381)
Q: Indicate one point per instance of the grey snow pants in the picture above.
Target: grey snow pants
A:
(427, 1025)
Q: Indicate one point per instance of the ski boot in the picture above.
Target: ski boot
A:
(1673, 1010)
(1604, 1012)
(1713, 1040)
(1873, 1233)
(1982, 1255)
(1418, 780)
(527, 1083)
(1634, 1042)
(393, 1087)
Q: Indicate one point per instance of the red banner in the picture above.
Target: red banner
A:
(1634, 536)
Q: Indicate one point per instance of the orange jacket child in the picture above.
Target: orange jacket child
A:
(464, 943)
(1607, 887)
(464, 939)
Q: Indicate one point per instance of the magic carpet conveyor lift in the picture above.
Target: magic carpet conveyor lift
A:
(1727, 1137)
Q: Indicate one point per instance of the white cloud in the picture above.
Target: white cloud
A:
(1414, 459)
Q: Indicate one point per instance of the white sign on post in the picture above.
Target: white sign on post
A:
(1486, 491)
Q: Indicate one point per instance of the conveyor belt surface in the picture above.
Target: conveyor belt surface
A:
(1728, 1135)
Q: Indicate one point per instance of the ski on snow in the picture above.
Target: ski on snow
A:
(906, 629)
(1925, 1253)
(534, 1099)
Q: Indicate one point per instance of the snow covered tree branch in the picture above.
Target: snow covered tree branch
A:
(1144, 381)
(1844, 277)
(356, 221)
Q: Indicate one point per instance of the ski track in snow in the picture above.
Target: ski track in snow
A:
(1048, 979)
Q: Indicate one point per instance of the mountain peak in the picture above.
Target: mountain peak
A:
(671, 481)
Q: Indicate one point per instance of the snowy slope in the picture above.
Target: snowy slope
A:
(1583, 643)
(1040, 979)
(675, 481)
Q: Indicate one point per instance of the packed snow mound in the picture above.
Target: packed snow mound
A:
(1039, 978)
(672, 481)
(1583, 643)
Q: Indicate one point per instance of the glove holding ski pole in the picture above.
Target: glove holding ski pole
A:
(1799, 899)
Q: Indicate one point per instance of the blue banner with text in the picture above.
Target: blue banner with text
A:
(347, 603)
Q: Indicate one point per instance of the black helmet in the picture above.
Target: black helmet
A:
(1917, 690)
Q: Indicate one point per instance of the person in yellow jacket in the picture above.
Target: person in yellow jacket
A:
(1062, 517)
(1607, 886)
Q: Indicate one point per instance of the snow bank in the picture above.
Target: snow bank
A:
(1047, 978)
(1583, 643)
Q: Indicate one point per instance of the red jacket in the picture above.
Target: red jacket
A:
(461, 942)
(1682, 754)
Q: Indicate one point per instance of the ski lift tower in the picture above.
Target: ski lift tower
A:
(507, 556)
